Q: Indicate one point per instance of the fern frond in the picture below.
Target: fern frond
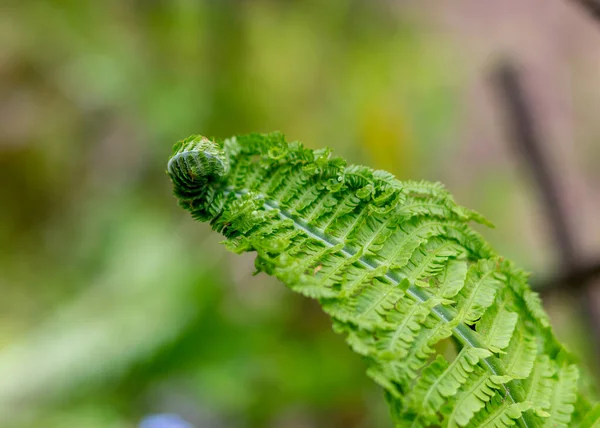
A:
(398, 268)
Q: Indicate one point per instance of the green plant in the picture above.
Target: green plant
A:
(449, 329)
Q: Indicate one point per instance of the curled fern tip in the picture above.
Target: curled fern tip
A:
(195, 165)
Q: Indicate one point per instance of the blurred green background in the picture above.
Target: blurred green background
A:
(116, 305)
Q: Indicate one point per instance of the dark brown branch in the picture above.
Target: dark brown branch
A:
(529, 145)
(592, 6)
(577, 276)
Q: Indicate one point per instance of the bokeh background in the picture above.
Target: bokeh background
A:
(115, 305)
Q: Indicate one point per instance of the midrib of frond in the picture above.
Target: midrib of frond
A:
(462, 332)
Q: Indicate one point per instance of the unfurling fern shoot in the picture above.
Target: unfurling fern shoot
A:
(398, 268)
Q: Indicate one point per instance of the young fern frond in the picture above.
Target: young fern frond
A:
(399, 270)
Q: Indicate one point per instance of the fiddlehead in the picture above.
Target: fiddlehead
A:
(399, 270)
(196, 166)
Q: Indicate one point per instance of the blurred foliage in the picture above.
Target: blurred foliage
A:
(115, 304)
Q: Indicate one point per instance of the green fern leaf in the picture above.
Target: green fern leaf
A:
(400, 271)
(477, 392)
(563, 395)
(500, 413)
(497, 325)
(441, 380)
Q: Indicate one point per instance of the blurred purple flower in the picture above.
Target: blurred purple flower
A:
(164, 421)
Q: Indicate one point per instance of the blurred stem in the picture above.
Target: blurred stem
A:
(530, 146)
(577, 277)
